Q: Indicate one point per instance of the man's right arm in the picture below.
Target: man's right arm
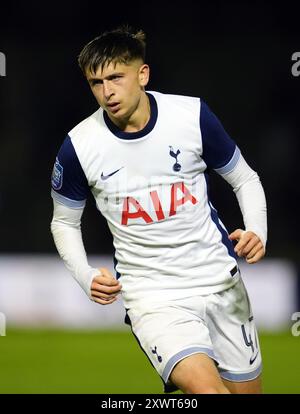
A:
(69, 192)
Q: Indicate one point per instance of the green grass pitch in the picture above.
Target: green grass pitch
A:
(108, 362)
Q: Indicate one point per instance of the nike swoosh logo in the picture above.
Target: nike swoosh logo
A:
(253, 359)
(105, 177)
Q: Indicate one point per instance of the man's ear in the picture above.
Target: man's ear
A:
(144, 74)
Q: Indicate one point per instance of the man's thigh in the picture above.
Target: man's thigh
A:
(245, 387)
(197, 374)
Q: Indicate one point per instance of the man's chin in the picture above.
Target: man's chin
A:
(116, 116)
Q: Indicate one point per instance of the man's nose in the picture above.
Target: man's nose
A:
(107, 90)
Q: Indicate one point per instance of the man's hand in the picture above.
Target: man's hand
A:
(249, 245)
(105, 288)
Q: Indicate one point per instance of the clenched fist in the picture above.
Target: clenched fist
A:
(105, 288)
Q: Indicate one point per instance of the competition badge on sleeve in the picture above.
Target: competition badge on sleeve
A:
(57, 175)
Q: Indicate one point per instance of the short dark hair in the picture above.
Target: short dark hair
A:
(121, 45)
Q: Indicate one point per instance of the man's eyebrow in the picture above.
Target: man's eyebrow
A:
(109, 77)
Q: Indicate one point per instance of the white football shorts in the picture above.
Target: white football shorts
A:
(220, 325)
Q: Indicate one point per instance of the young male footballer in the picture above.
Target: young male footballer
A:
(146, 156)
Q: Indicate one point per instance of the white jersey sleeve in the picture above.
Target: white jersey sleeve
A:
(65, 228)
(251, 198)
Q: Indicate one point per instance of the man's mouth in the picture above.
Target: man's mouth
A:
(114, 106)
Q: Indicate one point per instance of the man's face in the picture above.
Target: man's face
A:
(118, 87)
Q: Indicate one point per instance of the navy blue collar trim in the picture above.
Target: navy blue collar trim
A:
(138, 134)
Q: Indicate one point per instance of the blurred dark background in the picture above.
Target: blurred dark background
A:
(235, 55)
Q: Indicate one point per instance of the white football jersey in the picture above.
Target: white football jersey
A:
(152, 188)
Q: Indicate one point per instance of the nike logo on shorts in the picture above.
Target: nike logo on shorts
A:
(253, 359)
(105, 177)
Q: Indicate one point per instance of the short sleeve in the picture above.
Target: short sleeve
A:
(68, 181)
(220, 152)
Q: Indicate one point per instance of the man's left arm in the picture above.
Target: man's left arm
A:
(220, 153)
(251, 198)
